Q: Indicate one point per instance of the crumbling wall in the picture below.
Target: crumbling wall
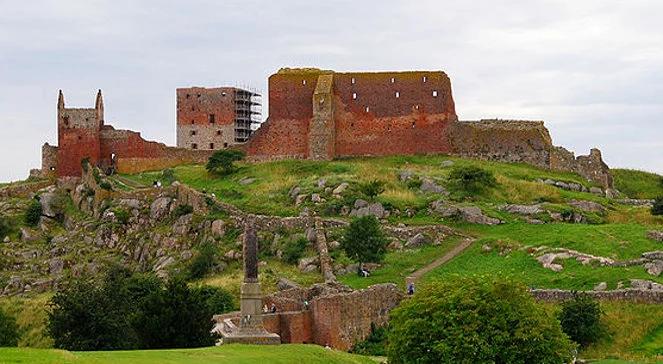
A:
(205, 117)
(49, 160)
(628, 295)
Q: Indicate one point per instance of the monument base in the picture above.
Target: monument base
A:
(251, 329)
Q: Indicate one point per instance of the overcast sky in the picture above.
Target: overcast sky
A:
(593, 70)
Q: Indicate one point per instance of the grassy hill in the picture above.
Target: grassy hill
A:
(235, 354)
(638, 184)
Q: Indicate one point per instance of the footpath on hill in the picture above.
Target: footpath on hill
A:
(439, 261)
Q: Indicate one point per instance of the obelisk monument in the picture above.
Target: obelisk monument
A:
(250, 329)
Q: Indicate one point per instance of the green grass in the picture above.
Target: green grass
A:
(616, 241)
(398, 265)
(30, 314)
(268, 194)
(236, 354)
(638, 184)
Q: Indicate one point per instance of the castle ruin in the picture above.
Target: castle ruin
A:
(315, 114)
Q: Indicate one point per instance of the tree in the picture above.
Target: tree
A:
(581, 319)
(471, 179)
(294, 250)
(363, 240)
(8, 330)
(218, 300)
(176, 317)
(475, 320)
(33, 213)
(657, 208)
(203, 262)
(221, 162)
(372, 189)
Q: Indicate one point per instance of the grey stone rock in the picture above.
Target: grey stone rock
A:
(130, 203)
(305, 262)
(395, 245)
(486, 248)
(27, 235)
(655, 235)
(311, 235)
(444, 209)
(340, 188)
(300, 199)
(428, 185)
(524, 209)
(589, 206)
(446, 164)
(218, 228)
(359, 203)
(417, 241)
(284, 284)
(316, 198)
(596, 190)
(548, 181)
(646, 285)
(310, 268)
(48, 203)
(656, 255)
(55, 266)
(6, 239)
(333, 245)
(163, 263)
(405, 175)
(186, 255)
(294, 192)
(183, 225)
(562, 185)
(322, 182)
(601, 286)
(246, 181)
(474, 215)
(160, 208)
(374, 209)
(655, 267)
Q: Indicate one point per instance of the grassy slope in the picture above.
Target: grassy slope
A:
(638, 184)
(236, 354)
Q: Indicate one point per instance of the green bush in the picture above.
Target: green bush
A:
(168, 176)
(372, 189)
(475, 320)
(375, 343)
(657, 208)
(471, 179)
(363, 240)
(134, 311)
(294, 250)
(8, 330)
(122, 216)
(106, 185)
(5, 227)
(33, 213)
(203, 261)
(222, 161)
(218, 300)
(581, 319)
(182, 210)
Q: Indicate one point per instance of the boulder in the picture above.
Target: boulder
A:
(405, 175)
(308, 261)
(55, 266)
(311, 235)
(443, 209)
(300, 199)
(446, 164)
(656, 255)
(284, 284)
(655, 235)
(218, 228)
(49, 201)
(601, 286)
(359, 203)
(183, 225)
(27, 235)
(322, 182)
(417, 241)
(646, 285)
(524, 209)
(474, 215)
(654, 268)
(428, 185)
(340, 188)
(316, 198)
(160, 208)
(589, 206)
(294, 192)
(596, 190)
(333, 245)
(246, 181)
(374, 209)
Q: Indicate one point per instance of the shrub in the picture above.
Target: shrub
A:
(5, 227)
(657, 208)
(294, 250)
(581, 319)
(221, 162)
(218, 300)
(203, 262)
(475, 320)
(122, 216)
(175, 317)
(372, 189)
(33, 213)
(375, 343)
(182, 210)
(106, 185)
(85, 164)
(168, 176)
(8, 330)
(471, 179)
(363, 240)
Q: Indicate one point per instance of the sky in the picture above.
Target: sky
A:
(591, 69)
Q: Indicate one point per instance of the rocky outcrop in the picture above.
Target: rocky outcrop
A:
(471, 214)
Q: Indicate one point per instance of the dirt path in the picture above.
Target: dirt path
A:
(439, 261)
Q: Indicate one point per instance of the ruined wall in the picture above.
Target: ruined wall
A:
(361, 114)
(628, 295)
(49, 160)
(205, 117)
(526, 142)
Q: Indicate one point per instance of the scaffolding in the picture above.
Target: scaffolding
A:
(248, 113)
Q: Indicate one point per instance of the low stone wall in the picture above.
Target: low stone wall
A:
(137, 165)
(629, 295)
(23, 189)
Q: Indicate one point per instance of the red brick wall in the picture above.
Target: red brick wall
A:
(73, 146)
(195, 104)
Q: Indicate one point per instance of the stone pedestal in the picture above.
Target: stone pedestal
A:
(250, 329)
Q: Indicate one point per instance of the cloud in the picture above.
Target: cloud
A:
(590, 69)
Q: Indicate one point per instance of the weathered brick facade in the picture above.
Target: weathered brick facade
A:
(214, 118)
(82, 134)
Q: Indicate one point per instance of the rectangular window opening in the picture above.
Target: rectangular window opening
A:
(194, 146)
(211, 145)
(225, 145)
(424, 78)
(353, 80)
(212, 118)
(435, 93)
(354, 95)
(193, 132)
(218, 132)
(398, 94)
(393, 80)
